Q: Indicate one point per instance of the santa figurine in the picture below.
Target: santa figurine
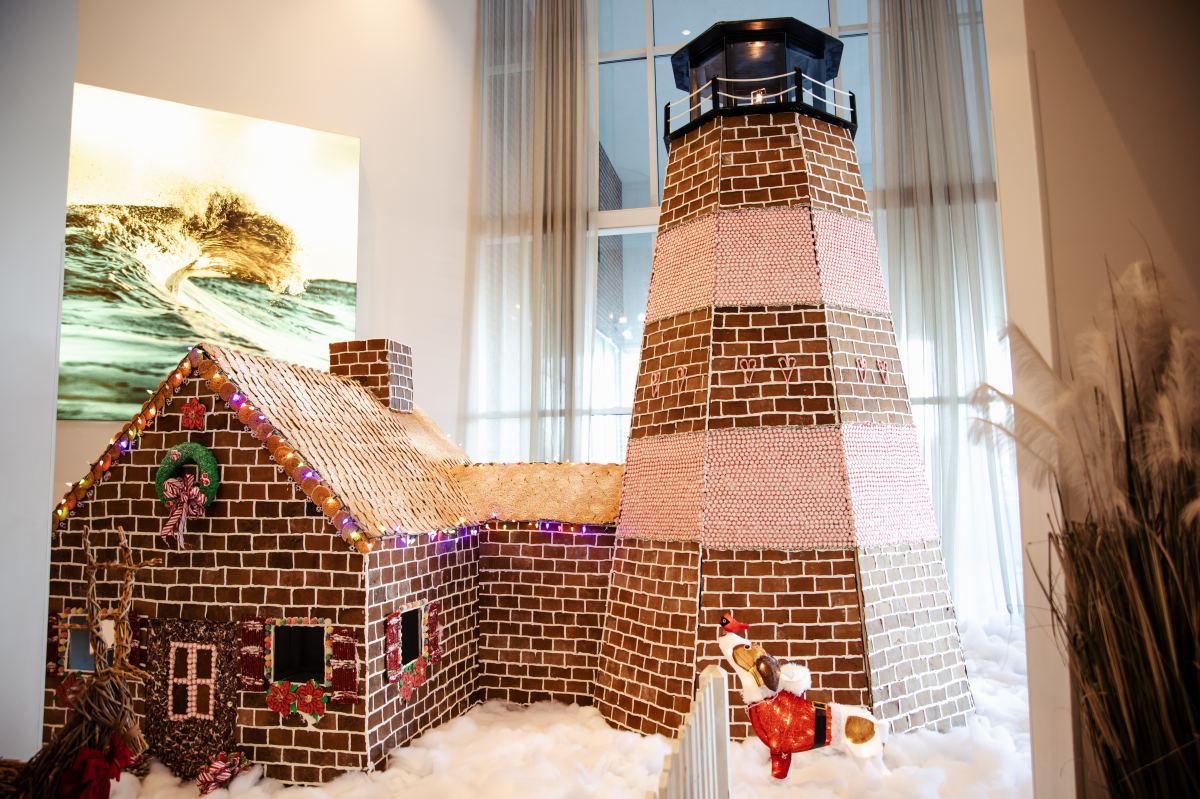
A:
(787, 722)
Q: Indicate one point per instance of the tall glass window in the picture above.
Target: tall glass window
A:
(622, 283)
(624, 152)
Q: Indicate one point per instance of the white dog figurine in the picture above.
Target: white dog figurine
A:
(787, 722)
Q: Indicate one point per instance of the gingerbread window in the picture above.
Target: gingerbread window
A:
(78, 654)
(193, 681)
(406, 639)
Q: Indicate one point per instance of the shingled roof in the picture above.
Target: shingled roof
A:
(390, 469)
(577, 493)
(371, 470)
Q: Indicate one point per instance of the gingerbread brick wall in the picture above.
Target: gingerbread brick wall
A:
(446, 571)
(646, 680)
(918, 675)
(667, 401)
(542, 599)
(835, 183)
(803, 607)
(261, 549)
(382, 365)
(761, 161)
(862, 394)
(690, 186)
(770, 367)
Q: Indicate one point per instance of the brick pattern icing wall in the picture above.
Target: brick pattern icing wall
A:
(647, 675)
(835, 183)
(672, 385)
(690, 186)
(542, 600)
(770, 367)
(918, 675)
(803, 608)
(261, 549)
(762, 161)
(867, 393)
(445, 571)
(382, 365)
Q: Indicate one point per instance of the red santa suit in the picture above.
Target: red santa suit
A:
(788, 723)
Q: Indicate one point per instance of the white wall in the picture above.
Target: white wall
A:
(1095, 108)
(37, 59)
(397, 75)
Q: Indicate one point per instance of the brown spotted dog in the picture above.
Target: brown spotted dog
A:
(787, 722)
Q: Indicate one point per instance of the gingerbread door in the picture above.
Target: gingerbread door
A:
(191, 706)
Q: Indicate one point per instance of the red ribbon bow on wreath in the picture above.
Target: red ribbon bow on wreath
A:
(89, 777)
(185, 499)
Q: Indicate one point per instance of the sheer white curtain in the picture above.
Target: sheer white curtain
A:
(937, 222)
(534, 197)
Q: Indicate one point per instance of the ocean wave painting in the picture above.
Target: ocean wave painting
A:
(189, 225)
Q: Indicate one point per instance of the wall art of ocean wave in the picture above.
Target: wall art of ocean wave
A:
(143, 283)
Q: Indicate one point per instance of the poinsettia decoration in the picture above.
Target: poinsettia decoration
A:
(310, 699)
(193, 414)
(419, 669)
(68, 690)
(280, 697)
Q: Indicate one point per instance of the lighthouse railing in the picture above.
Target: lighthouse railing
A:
(789, 91)
(698, 766)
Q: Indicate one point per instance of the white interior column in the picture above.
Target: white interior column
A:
(37, 75)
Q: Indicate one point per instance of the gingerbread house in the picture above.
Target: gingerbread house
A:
(322, 595)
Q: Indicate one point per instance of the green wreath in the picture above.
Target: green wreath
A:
(208, 479)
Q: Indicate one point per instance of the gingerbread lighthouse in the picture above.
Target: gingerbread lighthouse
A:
(773, 468)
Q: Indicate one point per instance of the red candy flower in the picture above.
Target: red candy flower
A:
(68, 689)
(193, 415)
(406, 687)
(419, 671)
(281, 697)
(308, 699)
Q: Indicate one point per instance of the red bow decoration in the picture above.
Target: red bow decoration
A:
(221, 769)
(185, 499)
(89, 777)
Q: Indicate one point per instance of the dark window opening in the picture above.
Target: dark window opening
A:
(179, 699)
(79, 648)
(299, 654)
(410, 636)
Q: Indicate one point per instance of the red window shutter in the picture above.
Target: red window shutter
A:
(392, 649)
(344, 644)
(135, 640)
(52, 637)
(432, 632)
(253, 659)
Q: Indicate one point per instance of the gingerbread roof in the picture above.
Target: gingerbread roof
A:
(577, 493)
(390, 469)
(372, 471)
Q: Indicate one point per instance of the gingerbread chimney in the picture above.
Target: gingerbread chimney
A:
(773, 468)
(382, 365)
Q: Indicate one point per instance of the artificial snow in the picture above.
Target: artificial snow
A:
(550, 751)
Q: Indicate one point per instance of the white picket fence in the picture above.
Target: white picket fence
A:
(698, 766)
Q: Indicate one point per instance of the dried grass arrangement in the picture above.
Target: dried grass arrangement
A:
(1119, 442)
(101, 716)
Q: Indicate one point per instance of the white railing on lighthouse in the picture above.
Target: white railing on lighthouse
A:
(698, 766)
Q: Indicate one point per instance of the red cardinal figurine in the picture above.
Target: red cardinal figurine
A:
(731, 625)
